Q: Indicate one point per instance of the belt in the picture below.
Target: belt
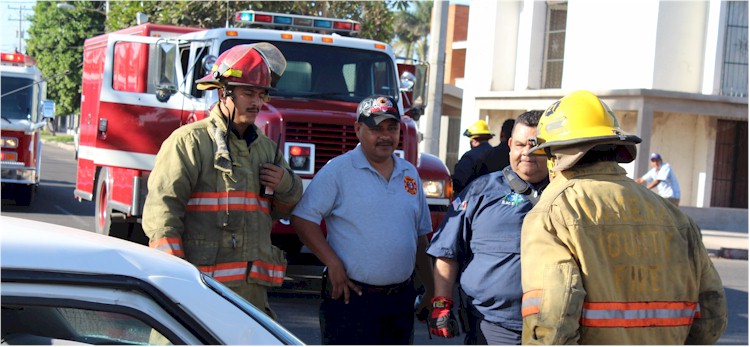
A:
(391, 289)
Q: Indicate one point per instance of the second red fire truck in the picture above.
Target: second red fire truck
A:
(139, 86)
(24, 112)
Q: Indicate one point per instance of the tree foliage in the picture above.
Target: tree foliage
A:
(375, 16)
(57, 34)
(56, 44)
(411, 29)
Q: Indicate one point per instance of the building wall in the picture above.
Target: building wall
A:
(455, 57)
(652, 63)
(680, 41)
(677, 137)
(606, 51)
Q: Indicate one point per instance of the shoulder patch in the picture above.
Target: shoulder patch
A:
(459, 205)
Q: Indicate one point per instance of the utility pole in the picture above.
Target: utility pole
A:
(434, 108)
(20, 20)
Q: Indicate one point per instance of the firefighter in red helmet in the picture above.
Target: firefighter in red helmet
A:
(218, 184)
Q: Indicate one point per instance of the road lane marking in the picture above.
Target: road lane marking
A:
(68, 213)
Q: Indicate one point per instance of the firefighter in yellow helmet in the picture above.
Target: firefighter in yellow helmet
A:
(207, 201)
(465, 170)
(604, 260)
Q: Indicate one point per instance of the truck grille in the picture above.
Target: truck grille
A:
(330, 140)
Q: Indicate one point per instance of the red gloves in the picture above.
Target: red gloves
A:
(442, 322)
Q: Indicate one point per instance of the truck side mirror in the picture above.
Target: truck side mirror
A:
(413, 88)
(420, 85)
(207, 63)
(166, 76)
(407, 81)
(48, 109)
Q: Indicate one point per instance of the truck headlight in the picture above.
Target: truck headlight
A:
(433, 189)
(10, 142)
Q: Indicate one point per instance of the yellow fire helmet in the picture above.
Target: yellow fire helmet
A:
(577, 123)
(477, 129)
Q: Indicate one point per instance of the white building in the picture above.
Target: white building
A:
(674, 72)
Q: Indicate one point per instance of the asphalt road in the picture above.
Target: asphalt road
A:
(55, 204)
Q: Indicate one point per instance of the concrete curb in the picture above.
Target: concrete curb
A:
(62, 145)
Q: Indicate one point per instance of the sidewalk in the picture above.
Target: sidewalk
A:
(726, 244)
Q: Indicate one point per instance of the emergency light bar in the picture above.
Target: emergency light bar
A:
(17, 59)
(308, 23)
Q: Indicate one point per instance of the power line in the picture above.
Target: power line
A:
(20, 19)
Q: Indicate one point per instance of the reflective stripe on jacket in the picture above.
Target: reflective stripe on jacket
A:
(229, 201)
(606, 261)
(206, 207)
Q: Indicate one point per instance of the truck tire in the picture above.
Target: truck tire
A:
(124, 229)
(24, 194)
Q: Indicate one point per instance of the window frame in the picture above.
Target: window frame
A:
(732, 76)
(547, 83)
(30, 287)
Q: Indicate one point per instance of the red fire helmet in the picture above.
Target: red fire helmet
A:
(255, 65)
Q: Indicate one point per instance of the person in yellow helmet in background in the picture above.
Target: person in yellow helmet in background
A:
(206, 200)
(604, 260)
(465, 170)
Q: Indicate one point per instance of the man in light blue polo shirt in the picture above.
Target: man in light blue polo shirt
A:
(377, 220)
(662, 178)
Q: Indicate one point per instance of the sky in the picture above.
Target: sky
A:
(9, 22)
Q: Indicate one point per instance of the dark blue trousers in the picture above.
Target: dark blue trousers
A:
(370, 319)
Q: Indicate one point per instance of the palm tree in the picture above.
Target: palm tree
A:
(412, 28)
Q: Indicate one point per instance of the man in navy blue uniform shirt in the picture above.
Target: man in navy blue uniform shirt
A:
(479, 241)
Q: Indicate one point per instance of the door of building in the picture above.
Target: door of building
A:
(730, 165)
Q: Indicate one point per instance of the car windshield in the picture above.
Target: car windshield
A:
(274, 328)
(16, 97)
(331, 73)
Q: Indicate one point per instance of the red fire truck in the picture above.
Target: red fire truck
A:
(24, 113)
(139, 86)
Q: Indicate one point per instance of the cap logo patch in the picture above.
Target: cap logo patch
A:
(410, 185)
(378, 105)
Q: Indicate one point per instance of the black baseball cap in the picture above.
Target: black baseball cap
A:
(377, 108)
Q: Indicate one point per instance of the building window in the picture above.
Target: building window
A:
(554, 50)
(734, 71)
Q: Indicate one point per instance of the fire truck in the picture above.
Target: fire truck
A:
(24, 113)
(139, 86)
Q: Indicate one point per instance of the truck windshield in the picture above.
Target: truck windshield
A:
(16, 97)
(331, 73)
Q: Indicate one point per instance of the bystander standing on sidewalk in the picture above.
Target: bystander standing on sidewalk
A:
(662, 177)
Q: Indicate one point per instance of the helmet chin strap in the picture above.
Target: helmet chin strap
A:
(230, 119)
